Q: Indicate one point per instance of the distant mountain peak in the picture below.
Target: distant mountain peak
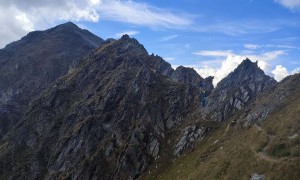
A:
(248, 62)
(129, 42)
(237, 90)
(125, 37)
(68, 24)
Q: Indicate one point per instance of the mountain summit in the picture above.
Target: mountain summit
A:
(76, 107)
(107, 117)
(31, 64)
(237, 90)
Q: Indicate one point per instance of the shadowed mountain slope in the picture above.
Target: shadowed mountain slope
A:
(29, 65)
(106, 119)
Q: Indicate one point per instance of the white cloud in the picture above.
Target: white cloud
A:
(280, 72)
(255, 46)
(227, 66)
(236, 28)
(143, 14)
(291, 4)
(267, 56)
(167, 38)
(296, 70)
(19, 17)
(206, 71)
(216, 53)
(22, 19)
(130, 33)
(251, 46)
(94, 2)
(169, 58)
(220, 69)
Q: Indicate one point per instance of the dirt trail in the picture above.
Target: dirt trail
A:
(262, 154)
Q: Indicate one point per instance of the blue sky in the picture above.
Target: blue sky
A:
(212, 36)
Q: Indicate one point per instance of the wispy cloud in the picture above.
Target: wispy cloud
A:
(18, 18)
(266, 56)
(251, 46)
(130, 33)
(291, 4)
(296, 70)
(187, 45)
(167, 38)
(255, 46)
(143, 14)
(169, 58)
(215, 53)
(241, 27)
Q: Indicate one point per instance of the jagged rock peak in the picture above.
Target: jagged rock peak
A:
(68, 24)
(248, 63)
(31, 64)
(132, 42)
(111, 100)
(247, 66)
(125, 37)
(237, 90)
(245, 72)
(187, 75)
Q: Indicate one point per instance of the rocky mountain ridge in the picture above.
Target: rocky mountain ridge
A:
(30, 65)
(113, 107)
(237, 90)
(259, 141)
(120, 113)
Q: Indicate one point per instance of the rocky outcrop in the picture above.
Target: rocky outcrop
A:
(181, 74)
(271, 101)
(257, 177)
(237, 90)
(187, 138)
(30, 65)
(158, 65)
(105, 119)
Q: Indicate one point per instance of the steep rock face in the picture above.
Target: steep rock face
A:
(157, 64)
(181, 74)
(237, 90)
(104, 120)
(188, 136)
(191, 77)
(29, 65)
(270, 101)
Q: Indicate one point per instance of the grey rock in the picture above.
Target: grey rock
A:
(106, 117)
(109, 149)
(238, 90)
(273, 100)
(189, 135)
(31, 64)
(154, 147)
(257, 177)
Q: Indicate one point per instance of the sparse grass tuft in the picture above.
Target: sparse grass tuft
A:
(223, 170)
(279, 150)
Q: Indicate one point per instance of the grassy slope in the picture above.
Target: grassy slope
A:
(237, 153)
